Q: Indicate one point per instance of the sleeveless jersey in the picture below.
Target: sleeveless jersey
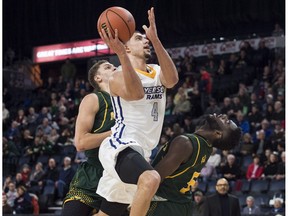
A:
(141, 120)
(176, 187)
(85, 181)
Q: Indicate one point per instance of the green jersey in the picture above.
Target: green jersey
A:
(176, 187)
(84, 184)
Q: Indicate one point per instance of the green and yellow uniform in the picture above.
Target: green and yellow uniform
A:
(84, 184)
(174, 194)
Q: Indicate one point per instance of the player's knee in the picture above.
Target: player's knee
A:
(149, 180)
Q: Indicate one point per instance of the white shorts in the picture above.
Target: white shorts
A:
(110, 185)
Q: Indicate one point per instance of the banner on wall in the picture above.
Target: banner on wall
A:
(79, 49)
(225, 47)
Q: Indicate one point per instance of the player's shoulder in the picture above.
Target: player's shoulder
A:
(90, 98)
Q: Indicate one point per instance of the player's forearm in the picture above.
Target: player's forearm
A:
(132, 83)
(167, 65)
(90, 141)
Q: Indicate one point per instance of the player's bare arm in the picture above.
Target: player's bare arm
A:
(126, 83)
(84, 138)
(179, 152)
(169, 75)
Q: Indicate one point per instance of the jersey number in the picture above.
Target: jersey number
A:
(154, 111)
(190, 183)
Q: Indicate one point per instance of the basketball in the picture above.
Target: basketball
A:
(117, 18)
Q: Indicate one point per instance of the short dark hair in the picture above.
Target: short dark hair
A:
(92, 72)
(230, 141)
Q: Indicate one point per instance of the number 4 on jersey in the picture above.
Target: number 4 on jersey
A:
(154, 111)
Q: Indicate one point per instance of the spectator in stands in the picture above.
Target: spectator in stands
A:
(18, 180)
(267, 75)
(23, 203)
(227, 106)
(182, 107)
(236, 105)
(11, 194)
(45, 113)
(242, 122)
(188, 126)
(21, 119)
(51, 174)
(214, 158)
(65, 137)
(261, 143)
(270, 169)
(6, 208)
(6, 183)
(53, 136)
(277, 136)
(68, 71)
(243, 97)
(247, 146)
(251, 209)
(66, 174)
(27, 139)
(213, 107)
(254, 117)
(205, 87)
(262, 54)
(36, 175)
(231, 170)
(279, 114)
(25, 172)
(216, 204)
(198, 204)
(280, 174)
(13, 133)
(243, 60)
(277, 208)
(222, 69)
(255, 169)
(60, 85)
(32, 116)
(45, 126)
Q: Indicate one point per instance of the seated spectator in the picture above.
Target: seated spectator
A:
(23, 203)
(277, 136)
(213, 107)
(280, 174)
(270, 169)
(6, 208)
(214, 158)
(261, 142)
(247, 146)
(11, 195)
(231, 170)
(7, 181)
(51, 174)
(66, 174)
(255, 170)
(278, 114)
(25, 172)
(197, 206)
(254, 117)
(35, 176)
(277, 208)
(242, 122)
(19, 180)
(251, 209)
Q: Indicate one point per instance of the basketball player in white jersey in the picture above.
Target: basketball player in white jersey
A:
(128, 178)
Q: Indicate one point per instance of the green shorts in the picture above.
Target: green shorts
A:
(84, 184)
(164, 208)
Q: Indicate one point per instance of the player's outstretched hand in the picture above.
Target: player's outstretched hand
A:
(113, 42)
(151, 32)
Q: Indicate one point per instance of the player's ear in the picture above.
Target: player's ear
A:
(127, 49)
(97, 78)
(218, 134)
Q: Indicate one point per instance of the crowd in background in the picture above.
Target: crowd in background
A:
(38, 126)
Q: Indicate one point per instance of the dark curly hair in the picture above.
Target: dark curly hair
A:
(230, 141)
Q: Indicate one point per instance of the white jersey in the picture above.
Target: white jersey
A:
(141, 120)
(138, 124)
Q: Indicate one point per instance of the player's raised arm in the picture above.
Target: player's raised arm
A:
(169, 75)
(125, 84)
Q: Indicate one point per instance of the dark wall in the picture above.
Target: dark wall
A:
(31, 23)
